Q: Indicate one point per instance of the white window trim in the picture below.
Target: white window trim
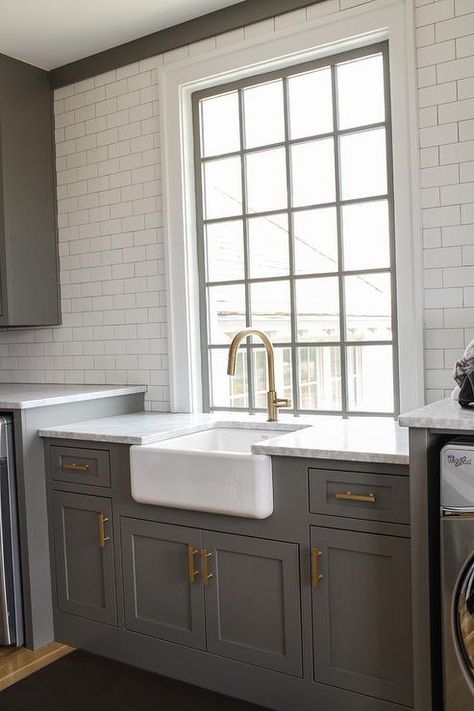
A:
(361, 26)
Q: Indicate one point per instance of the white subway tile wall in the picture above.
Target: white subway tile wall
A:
(445, 40)
(111, 223)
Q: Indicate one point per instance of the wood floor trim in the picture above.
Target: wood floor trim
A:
(16, 664)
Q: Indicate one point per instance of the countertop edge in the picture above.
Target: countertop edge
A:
(268, 449)
(339, 455)
(435, 423)
(76, 397)
(51, 433)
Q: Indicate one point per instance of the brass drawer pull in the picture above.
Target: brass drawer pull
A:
(349, 496)
(316, 576)
(192, 572)
(75, 467)
(103, 519)
(206, 575)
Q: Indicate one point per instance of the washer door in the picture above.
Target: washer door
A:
(465, 616)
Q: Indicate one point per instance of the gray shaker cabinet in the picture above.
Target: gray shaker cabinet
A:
(85, 575)
(361, 613)
(29, 284)
(253, 601)
(183, 584)
(163, 593)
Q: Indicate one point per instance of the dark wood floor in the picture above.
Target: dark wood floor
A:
(82, 681)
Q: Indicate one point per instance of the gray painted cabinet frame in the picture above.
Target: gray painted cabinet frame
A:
(85, 569)
(159, 600)
(253, 601)
(28, 233)
(242, 602)
(361, 614)
(243, 661)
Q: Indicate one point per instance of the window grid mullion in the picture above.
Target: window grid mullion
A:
(291, 256)
(294, 141)
(298, 208)
(391, 209)
(342, 332)
(301, 277)
(243, 175)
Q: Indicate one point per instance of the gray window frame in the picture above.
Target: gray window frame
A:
(292, 278)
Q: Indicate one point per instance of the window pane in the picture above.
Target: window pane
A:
(312, 166)
(360, 92)
(315, 241)
(319, 378)
(220, 124)
(228, 391)
(317, 306)
(283, 375)
(310, 103)
(222, 188)
(268, 246)
(366, 235)
(226, 312)
(225, 251)
(363, 164)
(368, 307)
(263, 112)
(270, 304)
(266, 180)
(370, 378)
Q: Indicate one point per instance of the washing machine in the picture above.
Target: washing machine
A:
(457, 574)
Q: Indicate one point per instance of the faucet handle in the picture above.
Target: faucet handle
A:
(282, 402)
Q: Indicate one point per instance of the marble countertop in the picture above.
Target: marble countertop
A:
(364, 439)
(18, 396)
(376, 439)
(441, 415)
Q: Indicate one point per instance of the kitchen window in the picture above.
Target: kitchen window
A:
(296, 236)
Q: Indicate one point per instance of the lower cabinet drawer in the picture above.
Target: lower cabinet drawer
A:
(80, 466)
(375, 497)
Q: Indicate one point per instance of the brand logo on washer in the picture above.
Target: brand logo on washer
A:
(459, 461)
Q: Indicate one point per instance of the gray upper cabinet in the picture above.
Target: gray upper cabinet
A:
(85, 575)
(29, 294)
(361, 613)
(253, 601)
(162, 588)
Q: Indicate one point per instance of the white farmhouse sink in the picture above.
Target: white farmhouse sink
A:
(213, 470)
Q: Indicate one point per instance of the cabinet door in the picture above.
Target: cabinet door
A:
(362, 613)
(84, 556)
(163, 590)
(253, 601)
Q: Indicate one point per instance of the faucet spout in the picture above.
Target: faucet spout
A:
(273, 402)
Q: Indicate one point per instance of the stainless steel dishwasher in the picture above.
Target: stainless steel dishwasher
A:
(11, 612)
(457, 574)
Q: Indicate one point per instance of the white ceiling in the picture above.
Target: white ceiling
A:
(50, 33)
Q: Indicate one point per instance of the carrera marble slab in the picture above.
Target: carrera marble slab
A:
(18, 396)
(150, 427)
(364, 439)
(441, 415)
(377, 440)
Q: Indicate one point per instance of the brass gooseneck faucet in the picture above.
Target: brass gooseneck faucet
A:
(273, 402)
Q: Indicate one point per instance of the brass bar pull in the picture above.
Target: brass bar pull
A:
(102, 537)
(75, 467)
(316, 576)
(206, 575)
(192, 572)
(349, 496)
